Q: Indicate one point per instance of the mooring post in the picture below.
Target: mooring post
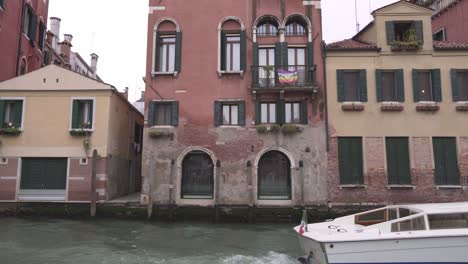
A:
(171, 191)
(251, 211)
(93, 184)
(217, 188)
(150, 203)
(302, 179)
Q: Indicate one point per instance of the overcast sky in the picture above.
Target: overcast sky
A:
(116, 31)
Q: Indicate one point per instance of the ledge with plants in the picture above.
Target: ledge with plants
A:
(10, 131)
(286, 129)
(84, 130)
(410, 42)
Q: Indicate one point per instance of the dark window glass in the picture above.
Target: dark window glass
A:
(402, 29)
(267, 29)
(462, 77)
(231, 114)
(268, 113)
(351, 86)
(389, 86)
(292, 113)
(295, 28)
(425, 86)
(197, 176)
(274, 176)
(440, 35)
(163, 114)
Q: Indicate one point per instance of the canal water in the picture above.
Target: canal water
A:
(54, 241)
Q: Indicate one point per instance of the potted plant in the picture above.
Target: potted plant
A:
(289, 129)
(410, 41)
(83, 131)
(9, 129)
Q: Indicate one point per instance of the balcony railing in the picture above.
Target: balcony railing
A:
(297, 76)
(441, 5)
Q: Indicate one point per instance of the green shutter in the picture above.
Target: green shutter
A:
(151, 111)
(258, 113)
(218, 115)
(241, 114)
(178, 52)
(446, 162)
(436, 85)
(255, 62)
(379, 85)
(453, 76)
(280, 112)
(357, 169)
(43, 173)
(304, 114)
(390, 30)
(2, 113)
(343, 161)
(76, 114)
(400, 85)
(277, 60)
(1, 4)
(90, 113)
(398, 162)
(243, 50)
(418, 25)
(156, 51)
(32, 28)
(284, 54)
(350, 160)
(223, 51)
(17, 113)
(340, 85)
(415, 85)
(310, 54)
(363, 85)
(175, 113)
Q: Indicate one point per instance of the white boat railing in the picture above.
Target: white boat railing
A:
(441, 5)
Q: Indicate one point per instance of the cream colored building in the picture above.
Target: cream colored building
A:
(51, 121)
(398, 125)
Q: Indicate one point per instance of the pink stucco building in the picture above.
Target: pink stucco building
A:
(450, 20)
(234, 104)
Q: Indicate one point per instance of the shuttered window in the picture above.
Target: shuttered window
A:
(163, 113)
(390, 85)
(43, 173)
(404, 31)
(268, 113)
(459, 85)
(233, 50)
(168, 52)
(11, 113)
(350, 160)
(427, 85)
(229, 113)
(352, 85)
(398, 161)
(30, 23)
(446, 161)
(82, 114)
(295, 113)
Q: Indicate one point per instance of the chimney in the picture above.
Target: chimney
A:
(94, 60)
(55, 29)
(126, 93)
(142, 98)
(65, 48)
(68, 38)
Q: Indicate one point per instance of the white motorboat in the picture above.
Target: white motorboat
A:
(403, 234)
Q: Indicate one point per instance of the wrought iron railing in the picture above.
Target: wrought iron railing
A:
(287, 76)
(441, 5)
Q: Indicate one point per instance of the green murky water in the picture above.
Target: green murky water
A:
(113, 241)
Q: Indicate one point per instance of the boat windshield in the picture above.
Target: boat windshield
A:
(413, 224)
(383, 215)
(448, 221)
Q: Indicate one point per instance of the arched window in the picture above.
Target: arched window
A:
(168, 47)
(232, 45)
(295, 26)
(197, 176)
(267, 27)
(274, 176)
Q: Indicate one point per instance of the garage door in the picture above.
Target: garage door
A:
(44, 174)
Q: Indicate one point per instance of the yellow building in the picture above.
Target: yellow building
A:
(397, 101)
(51, 121)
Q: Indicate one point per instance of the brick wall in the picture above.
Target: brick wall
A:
(8, 179)
(79, 180)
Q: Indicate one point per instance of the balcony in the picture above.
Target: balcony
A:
(290, 78)
(441, 5)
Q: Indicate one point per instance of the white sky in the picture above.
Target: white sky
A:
(116, 31)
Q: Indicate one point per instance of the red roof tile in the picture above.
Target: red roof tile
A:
(351, 44)
(449, 45)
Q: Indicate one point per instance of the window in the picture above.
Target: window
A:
(163, 113)
(267, 28)
(266, 62)
(440, 35)
(414, 224)
(404, 32)
(11, 113)
(197, 176)
(3, 161)
(448, 221)
(232, 55)
(229, 113)
(84, 161)
(293, 113)
(82, 114)
(2, 4)
(233, 47)
(390, 85)
(398, 161)
(350, 160)
(274, 176)
(167, 48)
(42, 32)
(446, 161)
(268, 113)
(352, 85)
(295, 28)
(459, 85)
(30, 23)
(427, 85)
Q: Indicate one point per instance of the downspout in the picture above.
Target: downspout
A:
(325, 89)
(20, 35)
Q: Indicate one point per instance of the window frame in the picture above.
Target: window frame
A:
(395, 86)
(269, 103)
(168, 107)
(231, 44)
(358, 89)
(444, 34)
(294, 26)
(268, 26)
(230, 105)
(299, 117)
(23, 99)
(93, 114)
(462, 72)
(431, 85)
(168, 58)
(175, 110)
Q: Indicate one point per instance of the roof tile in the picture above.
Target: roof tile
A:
(450, 45)
(351, 44)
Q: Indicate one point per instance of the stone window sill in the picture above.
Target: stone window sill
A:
(221, 73)
(392, 107)
(175, 74)
(401, 186)
(427, 107)
(352, 106)
(462, 106)
(439, 187)
(352, 186)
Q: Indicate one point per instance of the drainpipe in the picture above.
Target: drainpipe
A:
(325, 94)
(20, 35)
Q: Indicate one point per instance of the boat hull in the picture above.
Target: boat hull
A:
(427, 250)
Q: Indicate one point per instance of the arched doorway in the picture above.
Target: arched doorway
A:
(274, 176)
(197, 176)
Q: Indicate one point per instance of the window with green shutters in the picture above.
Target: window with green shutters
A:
(163, 113)
(233, 50)
(350, 160)
(404, 33)
(352, 85)
(398, 160)
(82, 114)
(446, 161)
(30, 23)
(459, 84)
(295, 112)
(427, 85)
(229, 113)
(168, 52)
(390, 85)
(11, 113)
